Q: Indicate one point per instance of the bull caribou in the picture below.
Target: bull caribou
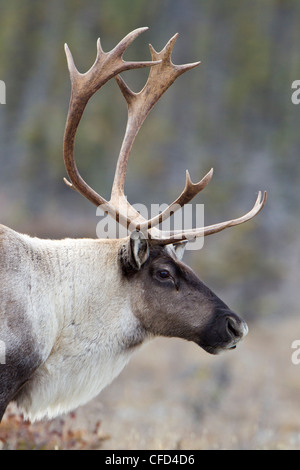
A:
(73, 311)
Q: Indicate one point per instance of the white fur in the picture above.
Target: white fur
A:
(86, 333)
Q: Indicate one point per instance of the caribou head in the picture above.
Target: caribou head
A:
(172, 301)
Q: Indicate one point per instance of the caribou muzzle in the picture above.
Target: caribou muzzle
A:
(225, 334)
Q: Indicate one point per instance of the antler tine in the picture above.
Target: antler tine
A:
(140, 104)
(190, 191)
(126, 41)
(177, 236)
(106, 66)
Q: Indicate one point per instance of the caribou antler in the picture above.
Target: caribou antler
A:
(106, 66)
(162, 74)
(190, 234)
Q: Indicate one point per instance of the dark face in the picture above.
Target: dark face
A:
(170, 300)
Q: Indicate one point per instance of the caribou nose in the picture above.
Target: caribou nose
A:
(236, 329)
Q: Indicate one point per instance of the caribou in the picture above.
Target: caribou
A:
(73, 311)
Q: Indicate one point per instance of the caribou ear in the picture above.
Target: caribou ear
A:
(134, 253)
(179, 249)
(139, 248)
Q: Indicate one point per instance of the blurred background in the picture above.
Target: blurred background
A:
(233, 113)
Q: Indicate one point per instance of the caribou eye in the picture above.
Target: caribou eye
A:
(164, 274)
